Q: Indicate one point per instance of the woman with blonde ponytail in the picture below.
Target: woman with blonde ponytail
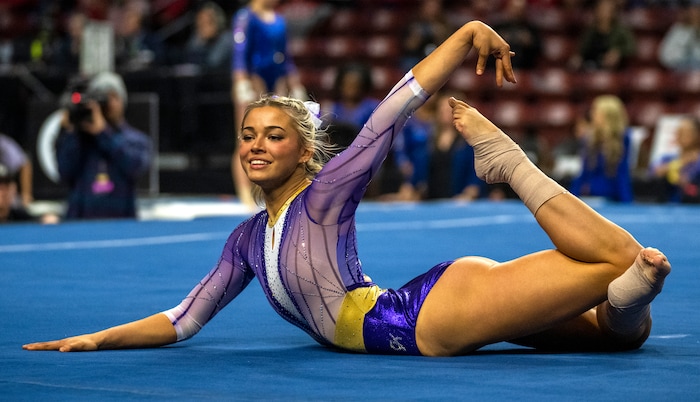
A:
(606, 170)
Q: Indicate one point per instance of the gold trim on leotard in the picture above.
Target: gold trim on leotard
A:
(348, 328)
(272, 218)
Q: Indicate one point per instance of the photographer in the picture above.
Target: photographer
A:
(100, 156)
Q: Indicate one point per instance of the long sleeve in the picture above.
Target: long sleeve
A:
(219, 287)
(337, 189)
(130, 152)
(101, 171)
(70, 156)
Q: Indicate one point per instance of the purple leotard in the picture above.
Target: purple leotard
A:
(314, 277)
(260, 47)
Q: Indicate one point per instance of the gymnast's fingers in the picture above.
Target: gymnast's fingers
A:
(76, 344)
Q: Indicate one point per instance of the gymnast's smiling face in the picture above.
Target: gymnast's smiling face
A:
(271, 149)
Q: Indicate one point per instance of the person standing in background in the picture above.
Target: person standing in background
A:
(260, 64)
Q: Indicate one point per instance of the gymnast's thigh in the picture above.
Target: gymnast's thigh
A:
(478, 301)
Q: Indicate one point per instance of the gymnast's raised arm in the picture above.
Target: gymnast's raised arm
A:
(435, 70)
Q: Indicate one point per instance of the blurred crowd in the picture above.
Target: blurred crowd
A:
(170, 32)
(48, 34)
(429, 162)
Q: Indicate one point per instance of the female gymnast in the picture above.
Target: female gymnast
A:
(592, 292)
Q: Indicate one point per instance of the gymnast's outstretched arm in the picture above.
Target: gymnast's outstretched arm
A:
(152, 331)
(221, 285)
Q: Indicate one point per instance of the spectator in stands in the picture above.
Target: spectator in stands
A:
(261, 64)
(10, 211)
(607, 43)
(523, 37)
(100, 156)
(430, 28)
(136, 47)
(17, 165)
(210, 44)
(412, 152)
(352, 102)
(679, 174)
(605, 153)
(680, 47)
(451, 170)
(66, 56)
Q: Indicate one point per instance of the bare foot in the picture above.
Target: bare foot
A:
(473, 126)
(495, 154)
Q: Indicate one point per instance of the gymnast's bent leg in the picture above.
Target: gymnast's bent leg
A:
(543, 299)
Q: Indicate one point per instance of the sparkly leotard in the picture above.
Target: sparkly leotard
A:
(260, 47)
(311, 273)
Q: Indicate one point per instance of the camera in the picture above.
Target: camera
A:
(76, 99)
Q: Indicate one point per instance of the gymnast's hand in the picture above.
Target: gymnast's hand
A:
(487, 42)
(82, 343)
(153, 331)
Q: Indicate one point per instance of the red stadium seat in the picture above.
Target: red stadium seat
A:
(647, 50)
(594, 83)
(384, 79)
(553, 81)
(509, 114)
(342, 47)
(647, 81)
(472, 86)
(646, 113)
(555, 113)
(344, 21)
(649, 19)
(557, 49)
(686, 85)
(551, 20)
(381, 48)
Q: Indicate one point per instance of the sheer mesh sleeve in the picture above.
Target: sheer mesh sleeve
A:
(338, 188)
(226, 281)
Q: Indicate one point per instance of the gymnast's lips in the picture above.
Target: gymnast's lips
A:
(258, 163)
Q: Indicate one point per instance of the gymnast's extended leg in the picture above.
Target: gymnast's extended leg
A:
(543, 299)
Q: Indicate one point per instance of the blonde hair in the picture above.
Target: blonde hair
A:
(312, 137)
(608, 138)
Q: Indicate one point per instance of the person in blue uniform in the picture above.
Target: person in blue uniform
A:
(260, 64)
